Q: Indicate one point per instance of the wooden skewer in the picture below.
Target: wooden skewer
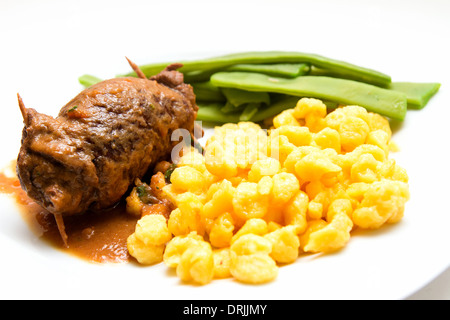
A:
(61, 228)
(58, 217)
(23, 110)
(136, 69)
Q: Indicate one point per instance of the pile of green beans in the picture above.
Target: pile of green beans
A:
(254, 86)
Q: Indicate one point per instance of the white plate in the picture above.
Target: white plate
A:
(47, 45)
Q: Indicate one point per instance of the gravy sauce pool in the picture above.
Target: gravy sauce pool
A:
(97, 237)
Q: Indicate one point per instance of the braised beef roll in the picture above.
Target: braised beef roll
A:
(102, 140)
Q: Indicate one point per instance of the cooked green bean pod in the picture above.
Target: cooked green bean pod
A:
(88, 80)
(286, 70)
(238, 97)
(211, 112)
(417, 94)
(275, 108)
(389, 103)
(206, 91)
(230, 108)
(253, 86)
(249, 111)
(265, 57)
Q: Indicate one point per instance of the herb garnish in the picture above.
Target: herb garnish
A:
(169, 171)
(144, 192)
(141, 191)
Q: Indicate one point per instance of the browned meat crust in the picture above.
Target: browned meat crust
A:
(102, 140)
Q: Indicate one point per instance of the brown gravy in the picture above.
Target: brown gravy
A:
(94, 236)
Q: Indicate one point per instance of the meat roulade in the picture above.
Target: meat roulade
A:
(102, 140)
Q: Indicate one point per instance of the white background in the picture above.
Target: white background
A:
(46, 45)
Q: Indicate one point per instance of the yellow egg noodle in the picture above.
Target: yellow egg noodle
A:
(258, 199)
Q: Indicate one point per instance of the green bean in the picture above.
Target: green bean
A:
(250, 110)
(286, 70)
(197, 75)
(282, 103)
(383, 101)
(264, 57)
(205, 91)
(314, 71)
(211, 112)
(238, 97)
(417, 94)
(286, 102)
(230, 108)
(88, 80)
